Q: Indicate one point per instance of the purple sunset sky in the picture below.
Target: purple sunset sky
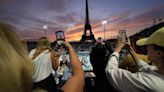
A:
(29, 16)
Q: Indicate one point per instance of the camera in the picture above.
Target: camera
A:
(122, 36)
(60, 37)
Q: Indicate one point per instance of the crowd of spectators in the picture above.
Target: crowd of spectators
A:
(116, 66)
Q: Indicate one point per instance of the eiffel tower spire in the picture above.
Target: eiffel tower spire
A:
(87, 27)
(87, 14)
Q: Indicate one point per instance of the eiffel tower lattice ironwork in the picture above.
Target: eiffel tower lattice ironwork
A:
(87, 27)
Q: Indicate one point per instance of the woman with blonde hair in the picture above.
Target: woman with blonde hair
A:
(43, 59)
(15, 66)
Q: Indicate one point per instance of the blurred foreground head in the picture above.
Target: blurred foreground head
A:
(16, 68)
(155, 46)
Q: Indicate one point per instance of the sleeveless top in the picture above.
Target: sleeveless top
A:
(43, 65)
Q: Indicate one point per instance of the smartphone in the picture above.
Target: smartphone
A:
(122, 36)
(60, 37)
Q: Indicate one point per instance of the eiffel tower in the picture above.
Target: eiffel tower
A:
(87, 27)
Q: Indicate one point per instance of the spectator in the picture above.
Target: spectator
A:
(45, 61)
(16, 68)
(99, 60)
(149, 79)
(67, 69)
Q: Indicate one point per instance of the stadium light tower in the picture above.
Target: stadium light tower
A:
(45, 27)
(104, 23)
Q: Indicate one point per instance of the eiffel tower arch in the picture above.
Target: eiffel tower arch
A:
(87, 27)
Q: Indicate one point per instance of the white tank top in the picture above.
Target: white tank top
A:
(43, 65)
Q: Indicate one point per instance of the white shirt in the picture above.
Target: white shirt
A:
(146, 81)
(43, 65)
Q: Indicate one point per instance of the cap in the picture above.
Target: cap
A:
(156, 38)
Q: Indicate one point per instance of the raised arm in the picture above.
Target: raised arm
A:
(76, 82)
(140, 64)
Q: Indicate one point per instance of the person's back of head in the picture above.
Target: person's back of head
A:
(15, 66)
(42, 45)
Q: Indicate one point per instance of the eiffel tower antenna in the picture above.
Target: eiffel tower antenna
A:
(87, 14)
(87, 27)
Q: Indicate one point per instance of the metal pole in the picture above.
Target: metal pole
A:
(45, 29)
(104, 32)
(104, 23)
(45, 32)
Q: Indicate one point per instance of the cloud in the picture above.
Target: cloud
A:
(56, 5)
(134, 23)
(28, 16)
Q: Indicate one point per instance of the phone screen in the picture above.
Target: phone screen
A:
(60, 35)
(122, 36)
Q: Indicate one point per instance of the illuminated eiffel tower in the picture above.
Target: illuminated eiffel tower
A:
(87, 27)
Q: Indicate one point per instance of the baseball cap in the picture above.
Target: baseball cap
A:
(156, 38)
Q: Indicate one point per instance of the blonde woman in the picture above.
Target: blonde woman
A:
(43, 59)
(16, 68)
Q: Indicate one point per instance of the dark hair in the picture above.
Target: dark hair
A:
(156, 47)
